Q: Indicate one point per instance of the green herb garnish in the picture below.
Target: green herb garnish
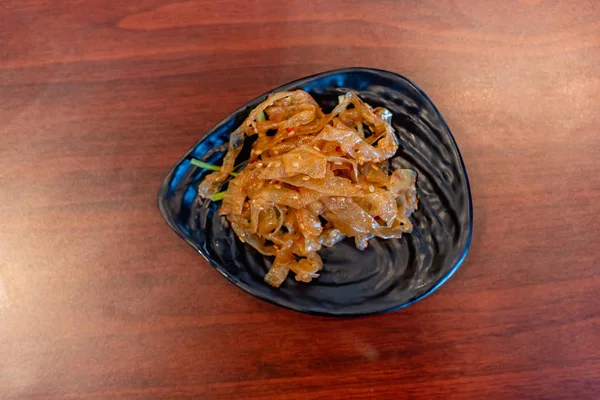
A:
(208, 166)
(217, 196)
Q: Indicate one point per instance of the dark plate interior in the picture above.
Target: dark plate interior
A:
(390, 274)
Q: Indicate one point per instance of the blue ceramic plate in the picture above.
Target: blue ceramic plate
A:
(390, 274)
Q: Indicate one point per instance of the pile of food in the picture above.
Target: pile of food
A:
(312, 180)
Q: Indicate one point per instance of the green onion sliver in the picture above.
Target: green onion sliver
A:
(217, 196)
(208, 166)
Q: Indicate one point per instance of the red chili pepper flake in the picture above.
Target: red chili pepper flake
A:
(290, 129)
(297, 189)
(276, 182)
(338, 149)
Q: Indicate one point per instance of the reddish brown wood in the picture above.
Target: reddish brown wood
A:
(100, 300)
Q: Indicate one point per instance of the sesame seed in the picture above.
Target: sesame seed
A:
(295, 164)
(275, 152)
(338, 163)
(316, 148)
(305, 178)
(259, 165)
(371, 189)
(278, 186)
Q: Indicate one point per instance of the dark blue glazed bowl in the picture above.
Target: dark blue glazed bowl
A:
(390, 274)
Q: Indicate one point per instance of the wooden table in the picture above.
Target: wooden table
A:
(99, 299)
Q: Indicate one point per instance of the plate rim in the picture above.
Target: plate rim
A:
(163, 189)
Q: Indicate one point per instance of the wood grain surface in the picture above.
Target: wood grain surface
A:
(99, 299)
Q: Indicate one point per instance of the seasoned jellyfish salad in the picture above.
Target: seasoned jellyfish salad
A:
(312, 180)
